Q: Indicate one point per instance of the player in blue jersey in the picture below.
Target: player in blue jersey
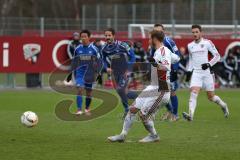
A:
(87, 56)
(173, 106)
(118, 58)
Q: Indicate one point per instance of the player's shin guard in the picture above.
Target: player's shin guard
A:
(174, 101)
(128, 121)
(88, 102)
(79, 102)
(218, 101)
(149, 126)
(192, 103)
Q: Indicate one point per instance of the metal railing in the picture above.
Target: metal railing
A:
(97, 17)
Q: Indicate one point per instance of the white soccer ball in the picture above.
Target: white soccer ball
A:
(29, 119)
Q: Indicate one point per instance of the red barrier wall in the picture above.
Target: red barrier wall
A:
(53, 52)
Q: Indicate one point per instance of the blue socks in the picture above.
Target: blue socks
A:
(79, 102)
(174, 101)
(169, 107)
(125, 105)
(88, 102)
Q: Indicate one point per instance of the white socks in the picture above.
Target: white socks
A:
(218, 101)
(192, 103)
(149, 126)
(128, 121)
(130, 118)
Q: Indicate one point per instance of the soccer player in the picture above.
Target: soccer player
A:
(88, 56)
(71, 51)
(202, 76)
(172, 107)
(118, 58)
(153, 96)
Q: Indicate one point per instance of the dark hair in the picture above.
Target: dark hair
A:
(197, 26)
(110, 30)
(159, 35)
(86, 31)
(159, 25)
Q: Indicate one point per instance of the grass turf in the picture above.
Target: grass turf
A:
(209, 136)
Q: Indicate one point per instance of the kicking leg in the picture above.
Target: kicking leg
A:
(214, 98)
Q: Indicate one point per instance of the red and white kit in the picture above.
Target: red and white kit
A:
(151, 98)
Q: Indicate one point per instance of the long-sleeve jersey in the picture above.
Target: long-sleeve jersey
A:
(198, 54)
(118, 55)
(171, 45)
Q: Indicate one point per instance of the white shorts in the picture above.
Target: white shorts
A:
(150, 100)
(203, 79)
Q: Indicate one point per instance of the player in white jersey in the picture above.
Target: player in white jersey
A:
(202, 76)
(155, 95)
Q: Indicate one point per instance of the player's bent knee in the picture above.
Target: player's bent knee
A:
(173, 93)
(195, 91)
(89, 93)
(133, 110)
(210, 97)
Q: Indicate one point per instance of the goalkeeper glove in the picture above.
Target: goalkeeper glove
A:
(205, 66)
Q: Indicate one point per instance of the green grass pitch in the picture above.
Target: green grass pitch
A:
(210, 136)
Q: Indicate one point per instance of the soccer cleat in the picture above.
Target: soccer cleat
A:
(79, 112)
(117, 138)
(225, 111)
(87, 112)
(187, 116)
(150, 138)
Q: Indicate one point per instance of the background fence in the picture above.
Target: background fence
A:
(99, 16)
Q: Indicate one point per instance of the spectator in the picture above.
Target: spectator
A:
(182, 72)
(70, 51)
(237, 53)
(140, 53)
(231, 65)
(99, 44)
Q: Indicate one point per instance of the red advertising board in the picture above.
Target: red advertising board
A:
(45, 54)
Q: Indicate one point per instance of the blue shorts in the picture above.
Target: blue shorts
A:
(81, 83)
(174, 86)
